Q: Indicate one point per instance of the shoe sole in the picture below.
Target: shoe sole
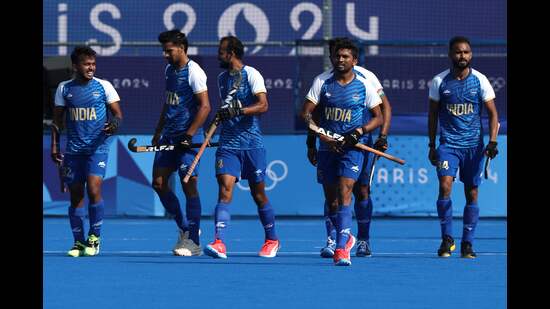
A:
(213, 253)
(468, 256)
(327, 253)
(343, 262)
(272, 254)
(362, 255)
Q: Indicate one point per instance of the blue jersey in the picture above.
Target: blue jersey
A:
(242, 132)
(181, 87)
(343, 108)
(86, 114)
(460, 106)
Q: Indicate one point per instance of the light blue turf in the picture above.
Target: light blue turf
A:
(136, 269)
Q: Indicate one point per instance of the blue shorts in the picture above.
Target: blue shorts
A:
(246, 164)
(77, 168)
(176, 159)
(468, 160)
(331, 165)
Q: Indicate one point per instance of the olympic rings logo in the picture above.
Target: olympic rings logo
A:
(497, 83)
(271, 174)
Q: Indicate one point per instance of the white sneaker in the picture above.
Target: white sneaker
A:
(185, 246)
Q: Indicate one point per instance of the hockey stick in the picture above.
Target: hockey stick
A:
(212, 128)
(338, 137)
(488, 159)
(372, 170)
(152, 148)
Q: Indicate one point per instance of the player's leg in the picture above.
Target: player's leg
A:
(331, 214)
(163, 167)
(228, 168)
(363, 214)
(253, 169)
(348, 170)
(326, 175)
(96, 167)
(470, 175)
(191, 240)
(448, 163)
(73, 176)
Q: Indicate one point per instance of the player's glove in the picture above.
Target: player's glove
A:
(432, 155)
(491, 150)
(229, 112)
(350, 139)
(112, 126)
(185, 143)
(381, 143)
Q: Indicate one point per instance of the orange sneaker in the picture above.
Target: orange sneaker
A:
(216, 249)
(270, 248)
(342, 256)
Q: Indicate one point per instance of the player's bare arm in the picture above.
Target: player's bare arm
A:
(433, 116)
(381, 142)
(491, 149)
(57, 124)
(202, 112)
(376, 120)
(257, 108)
(112, 126)
(160, 125)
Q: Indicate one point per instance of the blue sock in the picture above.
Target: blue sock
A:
(172, 205)
(329, 219)
(95, 212)
(470, 218)
(363, 214)
(76, 219)
(344, 226)
(445, 214)
(193, 211)
(221, 219)
(267, 217)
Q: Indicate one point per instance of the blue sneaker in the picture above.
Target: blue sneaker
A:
(363, 249)
(328, 250)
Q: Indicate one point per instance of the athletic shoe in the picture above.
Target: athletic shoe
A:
(186, 246)
(363, 249)
(93, 246)
(77, 249)
(342, 256)
(328, 250)
(466, 250)
(216, 249)
(447, 246)
(270, 248)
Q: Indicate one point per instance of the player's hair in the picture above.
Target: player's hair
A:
(332, 43)
(234, 45)
(175, 37)
(458, 39)
(81, 50)
(346, 43)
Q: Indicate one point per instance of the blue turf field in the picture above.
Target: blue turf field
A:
(136, 268)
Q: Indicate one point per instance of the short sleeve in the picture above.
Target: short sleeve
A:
(197, 79)
(487, 92)
(434, 88)
(372, 99)
(110, 92)
(256, 81)
(59, 100)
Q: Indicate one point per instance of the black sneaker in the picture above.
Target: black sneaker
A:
(363, 249)
(466, 250)
(447, 246)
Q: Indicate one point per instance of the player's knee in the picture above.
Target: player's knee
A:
(159, 186)
(260, 199)
(361, 192)
(94, 193)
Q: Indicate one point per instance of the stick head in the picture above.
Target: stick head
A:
(132, 144)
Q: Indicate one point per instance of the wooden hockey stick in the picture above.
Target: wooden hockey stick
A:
(152, 148)
(338, 137)
(488, 159)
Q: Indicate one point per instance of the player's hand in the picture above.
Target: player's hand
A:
(185, 143)
(433, 156)
(381, 143)
(491, 150)
(229, 112)
(312, 156)
(350, 139)
(111, 127)
(57, 157)
(156, 139)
